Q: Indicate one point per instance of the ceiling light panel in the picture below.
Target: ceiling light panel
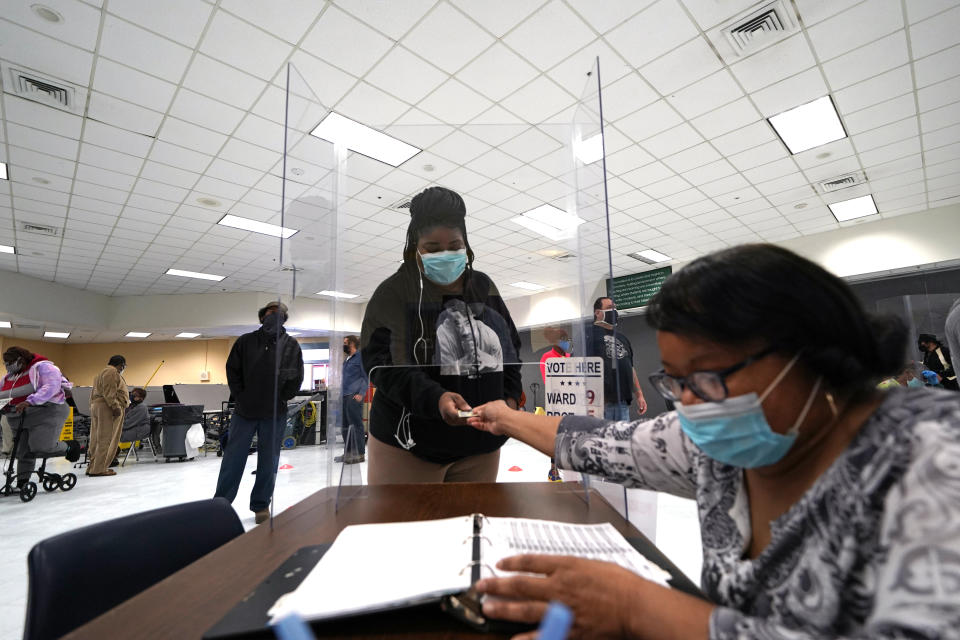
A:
(137, 334)
(194, 274)
(4, 324)
(809, 125)
(364, 140)
(853, 208)
(5, 248)
(256, 226)
(529, 286)
(55, 334)
(3, 171)
(650, 256)
(336, 294)
(187, 334)
(549, 222)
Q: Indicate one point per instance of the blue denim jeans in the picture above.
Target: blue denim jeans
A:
(352, 412)
(269, 435)
(618, 411)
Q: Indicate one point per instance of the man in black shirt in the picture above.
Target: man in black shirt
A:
(936, 358)
(264, 370)
(620, 382)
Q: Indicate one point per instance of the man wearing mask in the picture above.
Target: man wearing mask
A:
(108, 399)
(620, 382)
(354, 382)
(936, 358)
(136, 419)
(264, 370)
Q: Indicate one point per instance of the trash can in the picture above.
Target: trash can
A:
(176, 421)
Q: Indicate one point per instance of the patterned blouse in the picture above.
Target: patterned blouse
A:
(871, 550)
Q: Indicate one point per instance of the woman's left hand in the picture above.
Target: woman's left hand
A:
(603, 596)
(20, 408)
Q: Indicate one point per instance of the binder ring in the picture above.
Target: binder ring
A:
(477, 535)
(474, 563)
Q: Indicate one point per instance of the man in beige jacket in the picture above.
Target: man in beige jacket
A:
(108, 398)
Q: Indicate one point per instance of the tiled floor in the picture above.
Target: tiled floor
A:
(671, 522)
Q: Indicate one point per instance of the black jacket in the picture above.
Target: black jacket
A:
(466, 339)
(250, 373)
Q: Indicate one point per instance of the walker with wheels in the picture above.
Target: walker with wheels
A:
(48, 480)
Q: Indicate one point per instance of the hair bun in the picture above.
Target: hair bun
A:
(438, 202)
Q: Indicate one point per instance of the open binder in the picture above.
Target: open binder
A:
(431, 563)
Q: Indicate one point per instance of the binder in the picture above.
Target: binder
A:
(250, 617)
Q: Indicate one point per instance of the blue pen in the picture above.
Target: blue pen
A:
(292, 627)
(556, 622)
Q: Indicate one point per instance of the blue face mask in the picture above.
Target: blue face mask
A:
(444, 267)
(736, 432)
(564, 345)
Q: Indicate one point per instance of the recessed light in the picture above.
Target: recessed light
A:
(853, 208)
(809, 125)
(823, 155)
(5, 324)
(55, 334)
(209, 202)
(358, 137)
(296, 171)
(40, 180)
(529, 286)
(550, 222)
(428, 168)
(194, 274)
(46, 13)
(800, 205)
(187, 334)
(589, 150)
(649, 256)
(247, 224)
(336, 294)
(3, 171)
(137, 334)
(4, 248)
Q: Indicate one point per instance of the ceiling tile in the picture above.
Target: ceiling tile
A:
(447, 38)
(691, 158)
(625, 96)
(106, 178)
(880, 114)
(133, 86)
(682, 66)
(744, 138)
(459, 148)
(406, 76)
(41, 117)
(494, 164)
(371, 106)
(936, 33)
(538, 100)
(774, 63)
(939, 95)
(152, 189)
(671, 141)
(47, 55)
(122, 41)
(627, 160)
(941, 137)
(41, 161)
(800, 89)
(345, 42)
(886, 134)
(940, 118)
(217, 80)
(239, 44)
(607, 15)
(855, 27)
(454, 103)
(41, 141)
(648, 174)
(180, 20)
(768, 152)
(705, 95)
(887, 53)
(123, 115)
(109, 159)
(649, 121)
(498, 16)
(191, 136)
(84, 21)
(326, 86)
(391, 18)
(550, 35)
(177, 156)
(726, 118)
(169, 175)
(937, 67)
(530, 145)
(672, 29)
(875, 90)
(709, 172)
(288, 21)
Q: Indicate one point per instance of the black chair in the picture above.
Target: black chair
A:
(76, 576)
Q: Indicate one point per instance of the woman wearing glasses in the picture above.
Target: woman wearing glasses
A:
(827, 509)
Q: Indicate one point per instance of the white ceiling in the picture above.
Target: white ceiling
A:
(186, 102)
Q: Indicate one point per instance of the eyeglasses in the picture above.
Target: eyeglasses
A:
(706, 385)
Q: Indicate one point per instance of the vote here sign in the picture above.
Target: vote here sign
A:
(574, 386)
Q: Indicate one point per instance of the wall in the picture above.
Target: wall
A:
(52, 350)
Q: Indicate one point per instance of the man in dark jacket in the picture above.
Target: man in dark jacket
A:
(936, 358)
(355, 384)
(264, 370)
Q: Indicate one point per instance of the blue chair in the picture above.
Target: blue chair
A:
(76, 576)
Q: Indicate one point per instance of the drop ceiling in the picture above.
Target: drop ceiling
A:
(183, 108)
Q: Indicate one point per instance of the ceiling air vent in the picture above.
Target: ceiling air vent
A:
(401, 204)
(47, 90)
(39, 229)
(841, 182)
(762, 25)
(27, 326)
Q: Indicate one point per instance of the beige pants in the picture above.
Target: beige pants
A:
(392, 465)
(104, 436)
(7, 435)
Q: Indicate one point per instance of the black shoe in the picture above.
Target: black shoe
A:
(356, 459)
(338, 459)
(73, 451)
(115, 463)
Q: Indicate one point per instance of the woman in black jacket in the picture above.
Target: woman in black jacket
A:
(437, 339)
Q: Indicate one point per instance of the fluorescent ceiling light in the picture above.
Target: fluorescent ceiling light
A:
(265, 228)
(590, 150)
(809, 125)
(529, 286)
(137, 334)
(358, 137)
(650, 256)
(55, 334)
(3, 171)
(5, 248)
(194, 274)
(4, 324)
(550, 222)
(187, 334)
(853, 208)
(293, 333)
(336, 294)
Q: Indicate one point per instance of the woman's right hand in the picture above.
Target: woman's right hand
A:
(490, 417)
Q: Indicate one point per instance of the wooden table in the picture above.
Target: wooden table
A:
(192, 600)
